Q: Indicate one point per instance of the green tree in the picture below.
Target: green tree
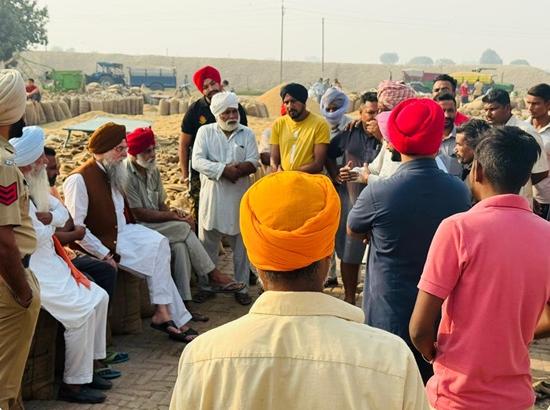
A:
(490, 56)
(389, 58)
(444, 61)
(421, 60)
(22, 24)
(519, 61)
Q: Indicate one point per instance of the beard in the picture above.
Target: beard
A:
(149, 164)
(229, 125)
(117, 173)
(39, 188)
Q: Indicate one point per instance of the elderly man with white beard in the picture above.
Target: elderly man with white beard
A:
(225, 154)
(147, 200)
(94, 195)
(78, 304)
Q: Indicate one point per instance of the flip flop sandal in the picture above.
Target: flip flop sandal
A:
(108, 373)
(243, 298)
(116, 357)
(198, 317)
(184, 337)
(232, 287)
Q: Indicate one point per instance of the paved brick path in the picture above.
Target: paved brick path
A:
(150, 374)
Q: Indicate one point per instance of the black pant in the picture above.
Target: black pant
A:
(103, 274)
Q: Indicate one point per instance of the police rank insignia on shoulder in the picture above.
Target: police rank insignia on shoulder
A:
(8, 194)
(202, 119)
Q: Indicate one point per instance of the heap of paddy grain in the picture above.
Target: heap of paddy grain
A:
(272, 100)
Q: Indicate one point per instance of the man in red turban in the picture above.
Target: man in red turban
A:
(401, 213)
(147, 201)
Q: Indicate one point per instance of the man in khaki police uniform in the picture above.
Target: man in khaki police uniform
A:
(19, 292)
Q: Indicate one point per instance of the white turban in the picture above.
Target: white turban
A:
(29, 147)
(222, 101)
(12, 97)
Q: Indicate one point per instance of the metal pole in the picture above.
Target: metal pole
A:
(282, 27)
(323, 46)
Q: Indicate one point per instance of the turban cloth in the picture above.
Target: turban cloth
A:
(222, 101)
(289, 220)
(203, 73)
(297, 91)
(391, 93)
(139, 140)
(106, 137)
(29, 147)
(382, 120)
(416, 126)
(12, 97)
(334, 96)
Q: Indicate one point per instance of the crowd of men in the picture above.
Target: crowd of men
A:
(452, 213)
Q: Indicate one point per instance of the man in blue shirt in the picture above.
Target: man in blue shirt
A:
(400, 215)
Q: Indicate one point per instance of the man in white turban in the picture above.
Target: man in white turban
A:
(19, 293)
(66, 293)
(225, 154)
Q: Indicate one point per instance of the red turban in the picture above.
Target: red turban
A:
(416, 126)
(203, 73)
(139, 140)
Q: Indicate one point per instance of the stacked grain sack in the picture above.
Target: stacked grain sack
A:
(254, 108)
(172, 106)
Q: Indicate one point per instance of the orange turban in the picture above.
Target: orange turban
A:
(289, 220)
(106, 137)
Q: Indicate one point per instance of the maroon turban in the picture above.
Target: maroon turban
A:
(203, 73)
(139, 140)
(416, 126)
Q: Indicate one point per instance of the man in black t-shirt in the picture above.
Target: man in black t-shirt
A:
(207, 80)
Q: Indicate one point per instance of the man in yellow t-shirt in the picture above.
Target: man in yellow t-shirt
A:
(299, 140)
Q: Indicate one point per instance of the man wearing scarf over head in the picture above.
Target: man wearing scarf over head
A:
(401, 213)
(225, 154)
(19, 291)
(66, 293)
(207, 79)
(299, 140)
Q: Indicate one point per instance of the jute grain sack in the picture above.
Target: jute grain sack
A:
(147, 309)
(40, 113)
(140, 105)
(108, 106)
(83, 106)
(126, 304)
(184, 106)
(48, 111)
(74, 104)
(30, 114)
(96, 105)
(59, 116)
(174, 106)
(65, 108)
(164, 107)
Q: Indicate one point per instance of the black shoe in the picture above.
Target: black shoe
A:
(100, 383)
(253, 279)
(84, 395)
(243, 298)
(331, 282)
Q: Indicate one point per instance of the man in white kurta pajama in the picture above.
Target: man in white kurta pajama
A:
(82, 310)
(225, 154)
(134, 247)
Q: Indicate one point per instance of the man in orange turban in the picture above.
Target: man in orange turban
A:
(294, 332)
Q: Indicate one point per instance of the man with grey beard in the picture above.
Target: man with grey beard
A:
(94, 195)
(225, 154)
(147, 200)
(66, 293)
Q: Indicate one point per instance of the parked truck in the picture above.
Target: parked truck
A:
(108, 73)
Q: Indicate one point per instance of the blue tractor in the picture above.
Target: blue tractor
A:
(107, 74)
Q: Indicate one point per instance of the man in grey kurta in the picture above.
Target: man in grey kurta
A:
(147, 200)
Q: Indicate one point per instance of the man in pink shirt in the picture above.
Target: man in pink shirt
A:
(488, 275)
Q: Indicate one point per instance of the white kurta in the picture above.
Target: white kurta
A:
(220, 198)
(142, 250)
(70, 303)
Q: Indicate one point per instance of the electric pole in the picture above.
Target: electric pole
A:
(282, 27)
(323, 46)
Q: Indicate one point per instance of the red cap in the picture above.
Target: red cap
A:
(139, 140)
(416, 126)
(206, 72)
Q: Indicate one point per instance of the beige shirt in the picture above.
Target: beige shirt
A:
(298, 350)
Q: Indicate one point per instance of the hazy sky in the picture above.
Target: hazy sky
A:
(355, 31)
